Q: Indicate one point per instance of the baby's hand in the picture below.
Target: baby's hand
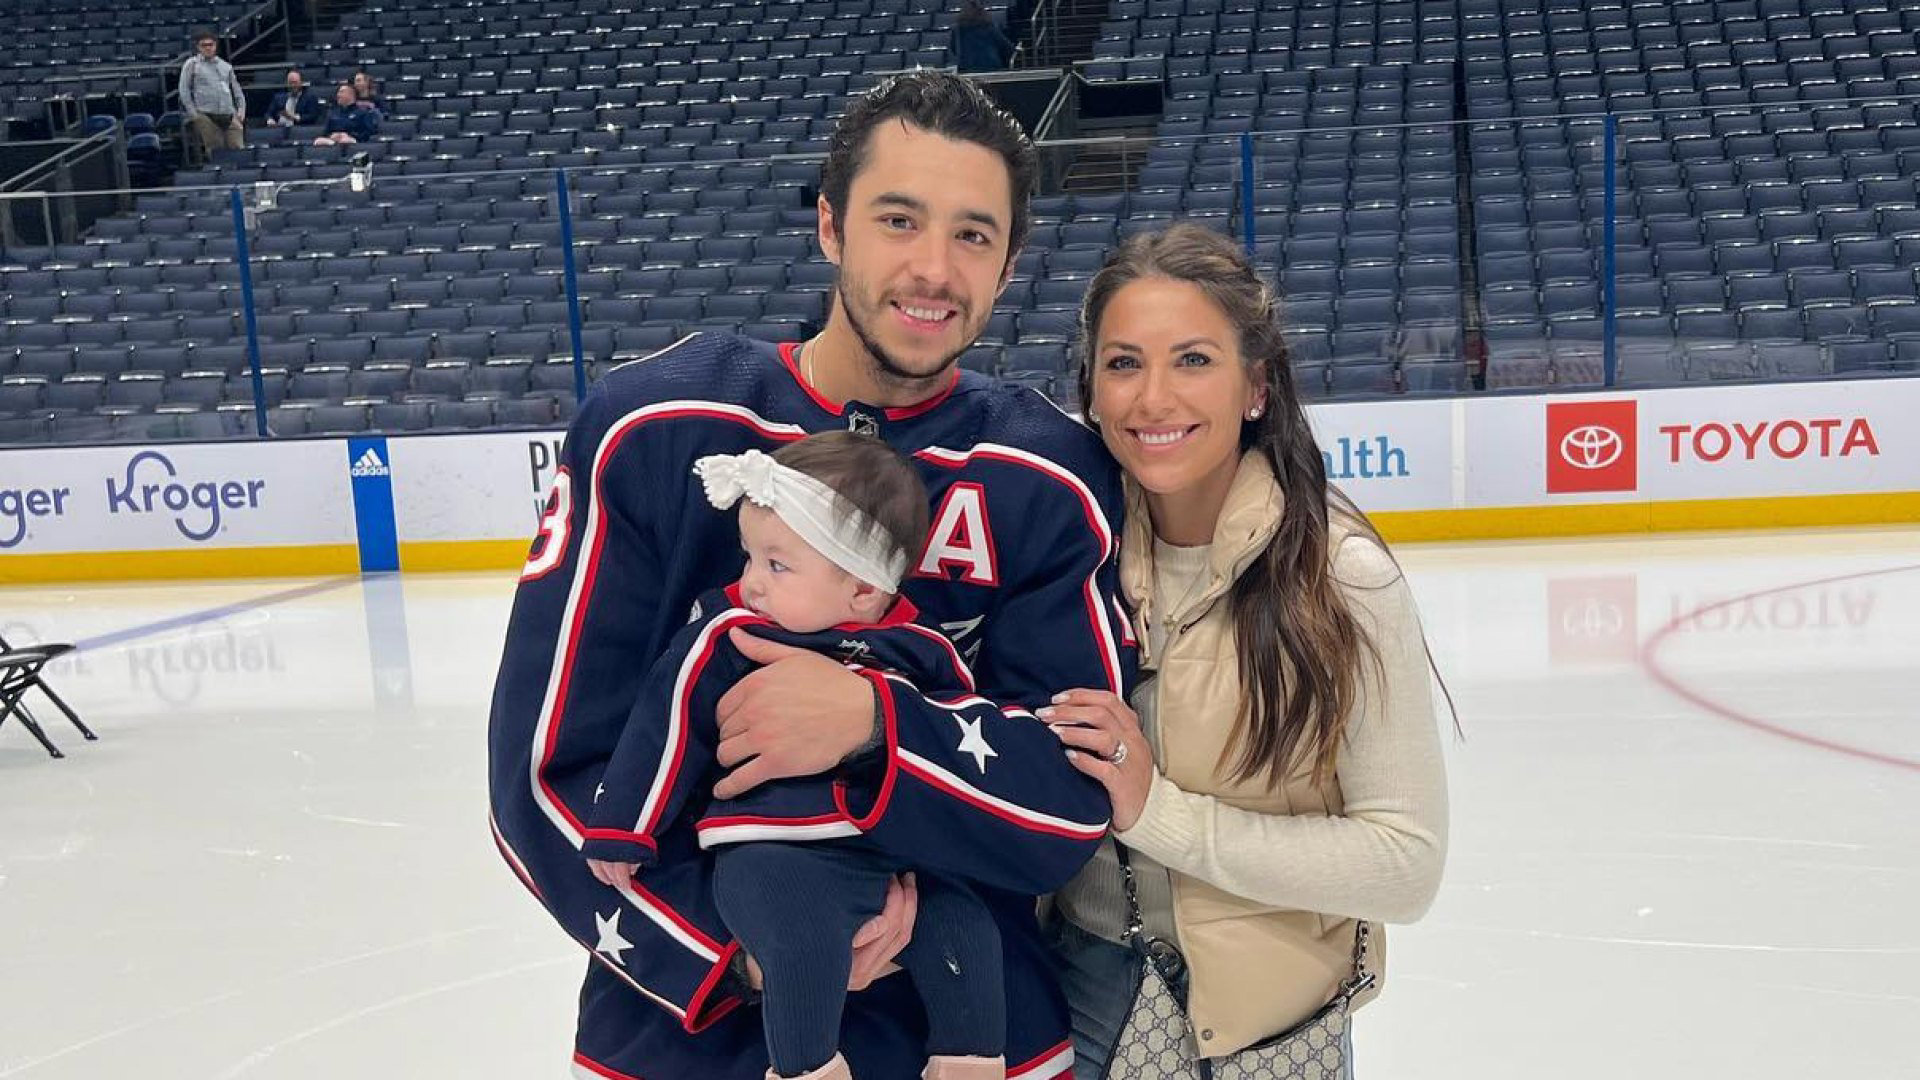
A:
(615, 874)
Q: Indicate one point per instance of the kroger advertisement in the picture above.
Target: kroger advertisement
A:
(1429, 466)
(174, 496)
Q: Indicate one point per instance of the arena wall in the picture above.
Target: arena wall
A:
(1705, 457)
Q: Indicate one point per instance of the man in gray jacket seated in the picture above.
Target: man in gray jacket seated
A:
(210, 95)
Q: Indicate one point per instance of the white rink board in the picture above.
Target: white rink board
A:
(179, 496)
(1396, 458)
(1418, 456)
(472, 487)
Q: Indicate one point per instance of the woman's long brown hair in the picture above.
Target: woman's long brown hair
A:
(1302, 652)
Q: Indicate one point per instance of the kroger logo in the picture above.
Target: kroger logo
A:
(1591, 447)
(19, 506)
(197, 508)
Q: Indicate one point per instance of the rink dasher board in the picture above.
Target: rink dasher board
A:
(1837, 452)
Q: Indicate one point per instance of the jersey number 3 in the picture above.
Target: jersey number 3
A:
(550, 546)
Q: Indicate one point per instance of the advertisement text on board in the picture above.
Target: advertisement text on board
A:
(1364, 458)
(1783, 440)
(19, 507)
(199, 508)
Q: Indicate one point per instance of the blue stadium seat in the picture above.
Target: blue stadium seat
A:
(1836, 321)
(1875, 275)
(1791, 359)
(1816, 286)
(1758, 290)
(1856, 354)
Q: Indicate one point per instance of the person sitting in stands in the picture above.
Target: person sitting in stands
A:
(350, 120)
(369, 91)
(978, 42)
(297, 104)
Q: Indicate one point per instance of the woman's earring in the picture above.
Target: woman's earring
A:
(1253, 413)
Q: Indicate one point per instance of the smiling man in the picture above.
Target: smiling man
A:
(924, 204)
(908, 305)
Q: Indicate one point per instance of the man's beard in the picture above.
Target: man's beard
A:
(889, 369)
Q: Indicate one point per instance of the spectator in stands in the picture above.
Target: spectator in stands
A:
(978, 43)
(211, 97)
(369, 91)
(350, 120)
(297, 104)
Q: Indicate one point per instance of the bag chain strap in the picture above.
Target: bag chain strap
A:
(1134, 923)
(1355, 984)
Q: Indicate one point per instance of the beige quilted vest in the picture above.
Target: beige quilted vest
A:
(1256, 970)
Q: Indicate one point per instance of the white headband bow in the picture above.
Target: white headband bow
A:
(850, 539)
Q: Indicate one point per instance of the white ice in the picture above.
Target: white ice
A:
(1686, 827)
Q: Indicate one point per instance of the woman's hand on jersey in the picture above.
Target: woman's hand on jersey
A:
(800, 714)
(884, 935)
(1103, 738)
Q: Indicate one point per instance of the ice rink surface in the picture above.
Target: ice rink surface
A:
(1686, 827)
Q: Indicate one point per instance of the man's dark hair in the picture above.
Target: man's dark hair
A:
(870, 476)
(947, 105)
(203, 35)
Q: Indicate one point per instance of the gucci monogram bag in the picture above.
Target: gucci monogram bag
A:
(1156, 1041)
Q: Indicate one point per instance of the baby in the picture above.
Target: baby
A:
(830, 525)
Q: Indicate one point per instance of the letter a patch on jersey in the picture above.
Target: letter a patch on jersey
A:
(961, 539)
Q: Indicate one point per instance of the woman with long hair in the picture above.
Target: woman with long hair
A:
(1277, 782)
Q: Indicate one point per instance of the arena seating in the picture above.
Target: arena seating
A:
(1427, 175)
(61, 36)
(1356, 183)
(1775, 241)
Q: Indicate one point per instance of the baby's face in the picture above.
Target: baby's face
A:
(789, 582)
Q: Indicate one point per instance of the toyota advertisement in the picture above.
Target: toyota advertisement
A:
(1592, 446)
(1704, 443)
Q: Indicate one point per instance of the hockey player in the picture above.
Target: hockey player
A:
(924, 204)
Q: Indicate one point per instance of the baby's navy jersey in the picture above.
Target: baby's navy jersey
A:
(665, 761)
(1019, 573)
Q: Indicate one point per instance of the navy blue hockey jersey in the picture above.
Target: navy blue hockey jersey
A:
(1019, 572)
(664, 764)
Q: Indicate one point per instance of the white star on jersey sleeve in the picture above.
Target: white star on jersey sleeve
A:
(974, 741)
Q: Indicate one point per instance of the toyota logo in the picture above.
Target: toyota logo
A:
(1593, 619)
(1591, 447)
